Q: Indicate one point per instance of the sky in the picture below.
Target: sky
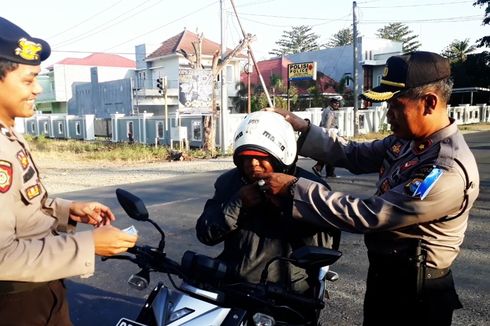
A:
(79, 28)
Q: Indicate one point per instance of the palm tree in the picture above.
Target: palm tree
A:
(458, 50)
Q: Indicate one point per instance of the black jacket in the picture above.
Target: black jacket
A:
(252, 236)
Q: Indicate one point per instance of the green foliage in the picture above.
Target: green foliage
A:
(341, 38)
(400, 32)
(485, 40)
(298, 39)
(474, 72)
(458, 50)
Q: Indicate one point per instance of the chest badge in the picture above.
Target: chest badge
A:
(422, 146)
(396, 148)
(33, 191)
(408, 165)
(385, 186)
(5, 176)
(23, 160)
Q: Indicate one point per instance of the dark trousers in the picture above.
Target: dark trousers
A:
(43, 305)
(392, 298)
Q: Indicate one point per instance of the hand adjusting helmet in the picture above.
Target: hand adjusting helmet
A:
(267, 132)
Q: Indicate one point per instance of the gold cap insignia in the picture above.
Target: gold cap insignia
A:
(385, 72)
(28, 50)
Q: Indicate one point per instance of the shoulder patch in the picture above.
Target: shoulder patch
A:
(23, 160)
(421, 184)
(5, 176)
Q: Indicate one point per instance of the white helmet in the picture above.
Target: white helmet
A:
(267, 132)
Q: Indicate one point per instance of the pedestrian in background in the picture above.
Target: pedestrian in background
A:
(38, 246)
(329, 120)
(414, 223)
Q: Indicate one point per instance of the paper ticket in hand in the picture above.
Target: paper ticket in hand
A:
(131, 230)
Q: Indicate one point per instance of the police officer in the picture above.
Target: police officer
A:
(414, 224)
(38, 246)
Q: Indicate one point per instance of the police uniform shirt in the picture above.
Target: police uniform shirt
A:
(31, 249)
(425, 190)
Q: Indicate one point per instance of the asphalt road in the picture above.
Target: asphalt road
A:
(176, 203)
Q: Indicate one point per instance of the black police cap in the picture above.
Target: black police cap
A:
(17, 45)
(403, 72)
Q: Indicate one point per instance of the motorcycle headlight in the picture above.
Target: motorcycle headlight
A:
(263, 320)
(179, 314)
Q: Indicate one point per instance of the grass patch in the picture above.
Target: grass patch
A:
(108, 151)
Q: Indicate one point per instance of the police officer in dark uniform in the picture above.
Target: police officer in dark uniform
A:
(38, 246)
(414, 224)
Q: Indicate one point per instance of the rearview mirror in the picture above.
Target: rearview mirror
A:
(132, 205)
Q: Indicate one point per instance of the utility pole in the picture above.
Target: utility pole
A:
(249, 92)
(224, 102)
(356, 84)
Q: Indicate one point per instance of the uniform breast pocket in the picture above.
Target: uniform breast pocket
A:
(32, 192)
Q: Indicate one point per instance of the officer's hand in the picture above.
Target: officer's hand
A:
(109, 240)
(92, 213)
(251, 195)
(277, 184)
(296, 122)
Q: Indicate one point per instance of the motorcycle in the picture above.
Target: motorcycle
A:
(204, 298)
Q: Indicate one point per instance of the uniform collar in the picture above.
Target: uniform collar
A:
(422, 145)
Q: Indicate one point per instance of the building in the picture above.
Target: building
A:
(186, 89)
(338, 62)
(59, 80)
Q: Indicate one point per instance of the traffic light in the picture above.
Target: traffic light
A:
(160, 85)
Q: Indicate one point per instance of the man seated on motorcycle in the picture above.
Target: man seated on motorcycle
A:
(254, 227)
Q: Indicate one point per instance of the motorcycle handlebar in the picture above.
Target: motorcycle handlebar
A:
(150, 258)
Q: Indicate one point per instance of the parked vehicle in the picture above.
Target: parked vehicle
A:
(204, 298)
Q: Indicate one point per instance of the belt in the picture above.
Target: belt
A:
(8, 287)
(402, 262)
(433, 273)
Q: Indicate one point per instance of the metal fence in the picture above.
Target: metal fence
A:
(188, 130)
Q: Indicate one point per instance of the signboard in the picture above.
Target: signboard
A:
(302, 71)
(195, 90)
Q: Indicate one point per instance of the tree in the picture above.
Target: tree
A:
(458, 50)
(475, 71)
(298, 39)
(341, 38)
(485, 40)
(400, 32)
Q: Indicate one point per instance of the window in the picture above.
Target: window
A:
(33, 126)
(159, 128)
(45, 127)
(196, 130)
(229, 74)
(60, 127)
(77, 128)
